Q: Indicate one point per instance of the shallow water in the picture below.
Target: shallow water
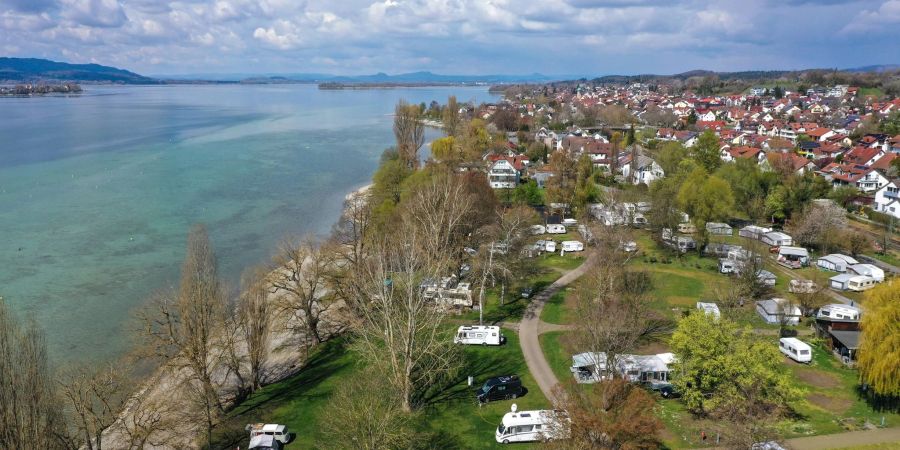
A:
(97, 192)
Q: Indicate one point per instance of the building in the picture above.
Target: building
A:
(838, 325)
(506, 171)
(591, 367)
(887, 199)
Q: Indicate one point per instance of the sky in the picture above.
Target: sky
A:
(470, 37)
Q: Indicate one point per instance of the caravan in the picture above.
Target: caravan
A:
(795, 349)
(572, 246)
(555, 228)
(479, 335)
(528, 426)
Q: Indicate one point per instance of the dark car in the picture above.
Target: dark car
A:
(500, 388)
(526, 292)
(666, 390)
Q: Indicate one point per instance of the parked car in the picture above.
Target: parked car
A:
(500, 388)
(665, 389)
(526, 292)
(277, 433)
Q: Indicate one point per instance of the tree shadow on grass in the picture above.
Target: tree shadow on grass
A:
(513, 309)
(324, 362)
(481, 363)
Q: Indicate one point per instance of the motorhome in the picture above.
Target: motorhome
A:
(795, 349)
(572, 246)
(529, 426)
(538, 229)
(555, 228)
(278, 432)
(479, 335)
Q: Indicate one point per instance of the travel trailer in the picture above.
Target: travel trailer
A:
(630, 246)
(479, 335)
(569, 222)
(545, 245)
(836, 262)
(776, 239)
(556, 228)
(572, 246)
(711, 309)
(838, 311)
(850, 282)
(869, 270)
(793, 257)
(795, 349)
(529, 426)
(538, 229)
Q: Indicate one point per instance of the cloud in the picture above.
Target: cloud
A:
(453, 36)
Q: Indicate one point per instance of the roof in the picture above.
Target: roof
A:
(797, 251)
(843, 278)
(773, 306)
(849, 339)
(527, 417)
(796, 342)
(644, 363)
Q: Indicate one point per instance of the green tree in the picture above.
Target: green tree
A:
(721, 366)
(444, 149)
(776, 204)
(706, 151)
(879, 343)
(705, 198)
(891, 124)
(528, 194)
(669, 155)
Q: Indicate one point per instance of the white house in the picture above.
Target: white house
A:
(647, 171)
(887, 199)
(777, 309)
(504, 174)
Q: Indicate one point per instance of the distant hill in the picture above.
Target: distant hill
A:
(34, 69)
(403, 78)
(875, 68)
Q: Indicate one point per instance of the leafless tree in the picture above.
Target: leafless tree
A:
(363, 414)
(180, 327)
(814, 224)
(249, 330)
(149, 422)
(350, 241)
(409, 131)
(93, 397)
(299, 276)
(29, 408)
(402, 333)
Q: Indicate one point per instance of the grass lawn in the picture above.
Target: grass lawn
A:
(451, 418)
(891, 257)
(560, 359)
(556, 310)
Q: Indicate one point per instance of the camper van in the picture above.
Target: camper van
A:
(556, 228)
(572, 246)
(479, 335)
(528, 426)
(500, 388)
(795, 349)
(277, 432)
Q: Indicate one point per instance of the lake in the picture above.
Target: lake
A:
(98, 191)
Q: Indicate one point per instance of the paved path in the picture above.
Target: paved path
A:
(531, 327)
(849, 439)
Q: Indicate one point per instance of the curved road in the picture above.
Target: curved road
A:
(531, 327)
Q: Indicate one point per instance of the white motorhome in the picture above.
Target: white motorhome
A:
(795, 349)
(277, 432)
(572, 246)
(479, 335)
(555, 228)
(528, 426)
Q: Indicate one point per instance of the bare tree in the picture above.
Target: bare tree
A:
(402, 333)
(299, 277)
(409, 131)
(181, 327)
(350, 241)
(249, 330)
(363, 414)
(148, 422)
(94, 397)
(29, 409)
(814, 224)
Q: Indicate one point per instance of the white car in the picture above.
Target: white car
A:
(278, 432)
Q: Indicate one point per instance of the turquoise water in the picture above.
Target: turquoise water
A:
(97, 192)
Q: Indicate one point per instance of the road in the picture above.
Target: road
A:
(849, 439)
(531, 327)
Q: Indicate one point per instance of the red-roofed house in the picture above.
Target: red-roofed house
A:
(506, 171)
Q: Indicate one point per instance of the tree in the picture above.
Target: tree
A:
(615, 139)
(299, 276)
(891, 124)
(706, 151)
(705, 198)
(94, 397)
(505, 119)
(537, 152)
(253, 316)
(451, 117)
(528, 193)
(409, 130)
(844, 195)
(670, 155)
(560, 188)
(856, 243)
(363, 414)
(181, 327)
(29, 416)
(613, 414)
(815, 223)
(721, 367)
(879, 343)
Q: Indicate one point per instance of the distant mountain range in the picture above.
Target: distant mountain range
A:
(19, 70)
(33, 69)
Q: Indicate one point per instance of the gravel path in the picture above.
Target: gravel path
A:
(531, 327)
